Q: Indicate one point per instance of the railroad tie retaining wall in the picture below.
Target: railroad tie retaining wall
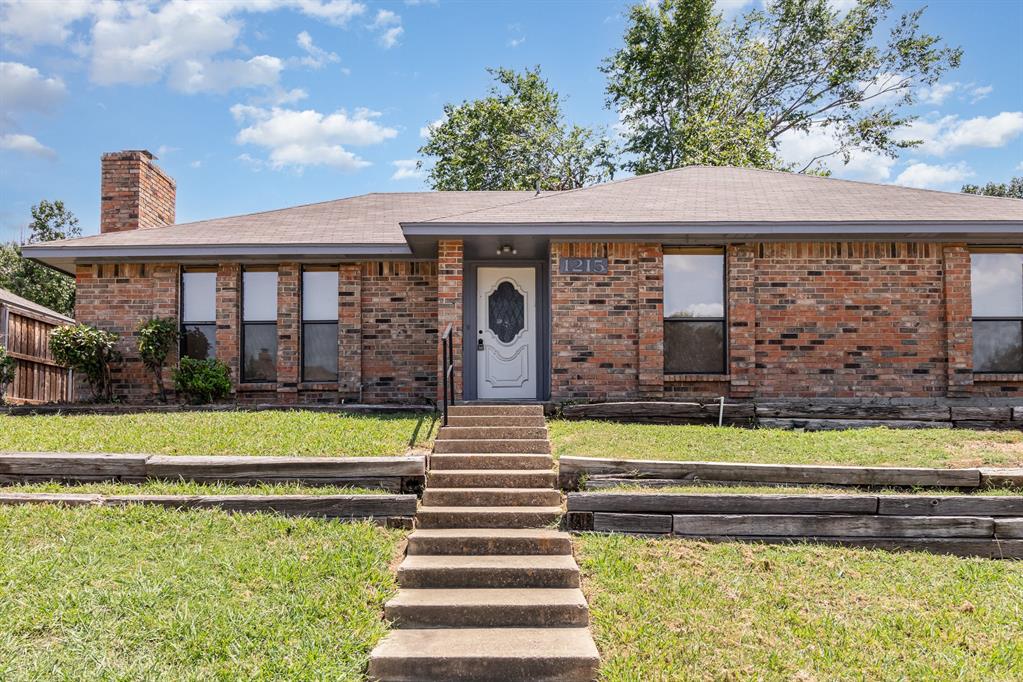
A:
(960, 525)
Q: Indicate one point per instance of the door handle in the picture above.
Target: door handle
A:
(479, 344)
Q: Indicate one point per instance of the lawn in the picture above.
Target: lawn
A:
(188, 488)
(222, 433)
(144, 593)
(864, 447)
(782, 489)
(679, 610)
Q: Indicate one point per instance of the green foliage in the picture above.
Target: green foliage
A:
(33, 281)
(514, 139)
(91, 352)
(156, 339)
(202, 381)
(1013, 189)
(7, 368)
(692, 90)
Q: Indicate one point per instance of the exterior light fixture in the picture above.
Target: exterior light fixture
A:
(506, 249)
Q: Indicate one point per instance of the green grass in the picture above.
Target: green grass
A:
(144, 593)
(680, 610)
(864, 447)
(781, 489)
(222, 433)
(188, 488)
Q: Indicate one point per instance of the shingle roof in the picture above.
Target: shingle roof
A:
(704, 194)
(16, 301)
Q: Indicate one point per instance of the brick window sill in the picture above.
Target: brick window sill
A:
(999, 378)
(253, 387)
(318, 386)
(680, 378)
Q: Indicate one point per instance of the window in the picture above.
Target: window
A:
(997, 288)
(694, 312)
(259, 325)
(319, 325)
(199, 314)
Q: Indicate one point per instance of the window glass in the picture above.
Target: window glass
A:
(199, 341)
(997, 284)
(260, 352)
(259, 297)
(319, 352)
(694, 285)
(694, 347)
(199, 296)
(319, 295)
(998, 346)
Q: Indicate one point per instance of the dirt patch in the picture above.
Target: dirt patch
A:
(982, 452)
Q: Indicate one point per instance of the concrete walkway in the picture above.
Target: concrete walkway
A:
(489, 587)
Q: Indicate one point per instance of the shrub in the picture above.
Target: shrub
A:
(89, 351)
(202, 381)
(156, 338)
(7, 367)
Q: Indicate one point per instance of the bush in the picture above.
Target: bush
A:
(156, 338)
(89, 351)
(7, 367)
(202, 381)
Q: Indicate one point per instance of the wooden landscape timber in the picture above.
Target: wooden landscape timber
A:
(572, 470)
(396, 511)
(963, 525)
(118, 409)
(397, 474)
(806, 414)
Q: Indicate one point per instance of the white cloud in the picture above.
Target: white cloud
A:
(25, 144)
(315, 57)
(165, 149)
(1020, 166)
(926, 176)
(23, 88)
(25, 23)
(937, 93)
(195, 164)
(515, 42)
(193, 76)
(980, 92)
(309, 138)
(799, 148)
(949, 133)
(389, 25)
(427, 129)
(407, 169)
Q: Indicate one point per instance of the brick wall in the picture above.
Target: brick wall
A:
(399, 331)
(450, 273)
(134, 192)
(116, 297)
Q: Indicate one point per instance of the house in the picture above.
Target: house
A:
(695, 282)
(25, 328)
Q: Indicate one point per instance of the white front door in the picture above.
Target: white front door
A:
(506, 353)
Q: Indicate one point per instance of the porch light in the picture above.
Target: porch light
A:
(506, 249)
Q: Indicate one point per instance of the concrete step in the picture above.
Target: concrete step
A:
(483, 478)
(491, 432)
(502, 446)
(471, 608)
(480, 541)
(464, 654)
(491, 497)
(487, 517)
(423, 571)
(521, 460)
(474, 410)
(495, 420)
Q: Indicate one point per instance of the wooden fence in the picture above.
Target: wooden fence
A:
(25, 333)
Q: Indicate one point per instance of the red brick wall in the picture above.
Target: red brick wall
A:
(349, 326)
(847, 319)
(289, 308)
(399, 331)
(450, 271)
(229, 317)
(116, 297)
(134, 192)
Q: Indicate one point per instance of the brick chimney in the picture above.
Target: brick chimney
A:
(134, 192)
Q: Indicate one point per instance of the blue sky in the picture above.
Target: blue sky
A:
(258, 104)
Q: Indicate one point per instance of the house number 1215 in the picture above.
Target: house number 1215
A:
(583, 266)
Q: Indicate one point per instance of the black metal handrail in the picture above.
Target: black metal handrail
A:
(448, 353)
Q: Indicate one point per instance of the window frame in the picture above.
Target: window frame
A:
(182, 322)
(258, 323)
(723, 320)
(989, 318)
(336, 322)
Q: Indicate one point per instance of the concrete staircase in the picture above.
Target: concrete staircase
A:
(489, 589)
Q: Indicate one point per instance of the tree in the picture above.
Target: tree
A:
(91, 352)
(514, 139)
(1013, 189)
(8, 369)
(38, 283)
(156, 339)
(690, 89)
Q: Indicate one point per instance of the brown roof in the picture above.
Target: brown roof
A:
(706, 194)
(15, 301)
